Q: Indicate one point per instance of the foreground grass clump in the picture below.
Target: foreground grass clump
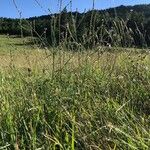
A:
(101, 103)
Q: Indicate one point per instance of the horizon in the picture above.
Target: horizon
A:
(36, 8)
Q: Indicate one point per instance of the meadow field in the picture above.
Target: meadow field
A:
(52, 98)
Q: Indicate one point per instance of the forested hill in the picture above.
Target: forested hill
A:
(123, 26)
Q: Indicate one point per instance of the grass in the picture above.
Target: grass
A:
(74, 100)
(15, 44)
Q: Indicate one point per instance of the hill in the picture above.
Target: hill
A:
(125, 26)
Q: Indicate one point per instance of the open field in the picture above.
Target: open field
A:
(57, 99)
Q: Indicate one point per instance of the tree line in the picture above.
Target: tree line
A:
(125, 26)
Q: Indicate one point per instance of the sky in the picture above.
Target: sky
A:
(30, 8)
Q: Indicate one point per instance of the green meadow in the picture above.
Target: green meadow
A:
(52, 98)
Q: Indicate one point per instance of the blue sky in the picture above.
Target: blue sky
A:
(32, 8)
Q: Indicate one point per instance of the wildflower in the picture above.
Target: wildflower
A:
(134, 80)
(146, 68)
(120, 77)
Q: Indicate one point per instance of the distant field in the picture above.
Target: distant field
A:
(20, 52)
(24, 53)
(14, 43)
(59, 99)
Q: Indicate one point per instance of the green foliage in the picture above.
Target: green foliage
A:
(89, 29)
(93, 105)
(95, 99)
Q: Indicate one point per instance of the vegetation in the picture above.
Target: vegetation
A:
(76, 86)
(75, 100)
(101, 26)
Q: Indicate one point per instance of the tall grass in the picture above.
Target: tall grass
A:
(94, 105)
(94, 99)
